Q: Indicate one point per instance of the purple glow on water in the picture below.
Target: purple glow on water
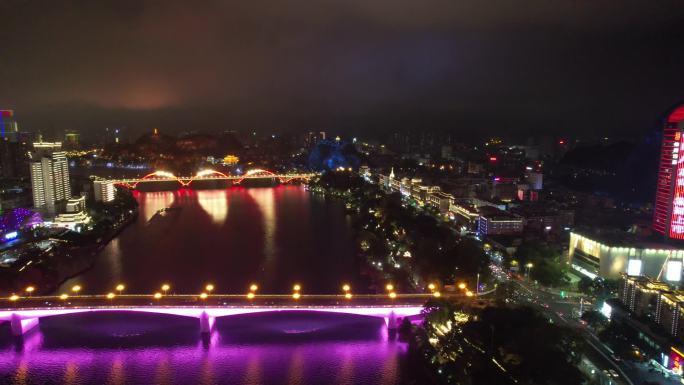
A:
(302, 358)
(400, 311)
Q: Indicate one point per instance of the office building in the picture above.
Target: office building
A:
(71, 140)
(13, 159)
(493, 221)
(9, 130)
(49, 176)
(104, 191)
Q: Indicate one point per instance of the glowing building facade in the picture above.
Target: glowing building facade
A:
(8, 126)
(594, 256)
(668, 213)
(49, 176)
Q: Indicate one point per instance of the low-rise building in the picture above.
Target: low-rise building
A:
(75, 217)
(440, 200)
(493, 221)
(608, 254)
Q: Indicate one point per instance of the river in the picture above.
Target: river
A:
(273, 236)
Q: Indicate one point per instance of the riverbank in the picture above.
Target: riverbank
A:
(85, 256)
(401, 243)
(47, 257)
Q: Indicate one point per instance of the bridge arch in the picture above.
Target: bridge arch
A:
(258, 172)
(205, 173)
(158, 175)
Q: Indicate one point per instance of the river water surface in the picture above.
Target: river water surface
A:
(274, 236)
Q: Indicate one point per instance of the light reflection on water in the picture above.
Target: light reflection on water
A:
(231, 237)
(338, 355)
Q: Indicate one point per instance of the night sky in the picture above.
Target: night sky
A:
(357, 66)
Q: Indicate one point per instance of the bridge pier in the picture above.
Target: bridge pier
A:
(392, 323)
(206, 323)
(21, 326)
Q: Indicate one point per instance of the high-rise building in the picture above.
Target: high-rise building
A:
(104, 191)
(49, 176)
(71, 140)
(13, 159)
(668, 213)
(9, 130)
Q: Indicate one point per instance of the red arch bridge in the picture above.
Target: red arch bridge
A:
(185, 181)
(24, 314)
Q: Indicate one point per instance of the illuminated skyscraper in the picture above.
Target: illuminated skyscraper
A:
(9, 130)
(49, 176)
(668, 213)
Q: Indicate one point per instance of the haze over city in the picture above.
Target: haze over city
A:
(494, 68)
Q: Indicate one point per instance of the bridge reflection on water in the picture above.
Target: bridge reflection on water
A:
(264, 348)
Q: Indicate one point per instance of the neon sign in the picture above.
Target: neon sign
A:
(677, 216)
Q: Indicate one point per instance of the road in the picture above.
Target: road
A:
(566, 312)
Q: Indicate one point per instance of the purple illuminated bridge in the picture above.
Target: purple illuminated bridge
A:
(24, 313)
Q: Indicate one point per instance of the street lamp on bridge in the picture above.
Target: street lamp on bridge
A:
(165, 288)
(76, 289)
(209, 287)
(296, 288)
(120, 287)
(29, 290)
(347, 289)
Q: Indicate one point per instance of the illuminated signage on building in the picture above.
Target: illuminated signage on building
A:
(677, 217)
(676, 361)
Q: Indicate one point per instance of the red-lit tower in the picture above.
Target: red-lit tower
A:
(668, 213)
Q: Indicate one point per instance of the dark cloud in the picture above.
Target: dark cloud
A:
(465, 66)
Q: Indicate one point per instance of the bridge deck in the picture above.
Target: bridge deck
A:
(221, 300)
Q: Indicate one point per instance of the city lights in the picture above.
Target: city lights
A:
(296, 295)
(64, 296)
(76, 288)
(250, 295)
(393, 295)
(120, 287)
(389, 287)
(346, 287)
(14, 297)
(297, 287)
(253, 287)
(348, 295)
(165, 287)
(431, 286)
(437, 294)
(30, 289)
(203, 295)
(209, 287)
(157, 295)
(110, 295)
(462, 285)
